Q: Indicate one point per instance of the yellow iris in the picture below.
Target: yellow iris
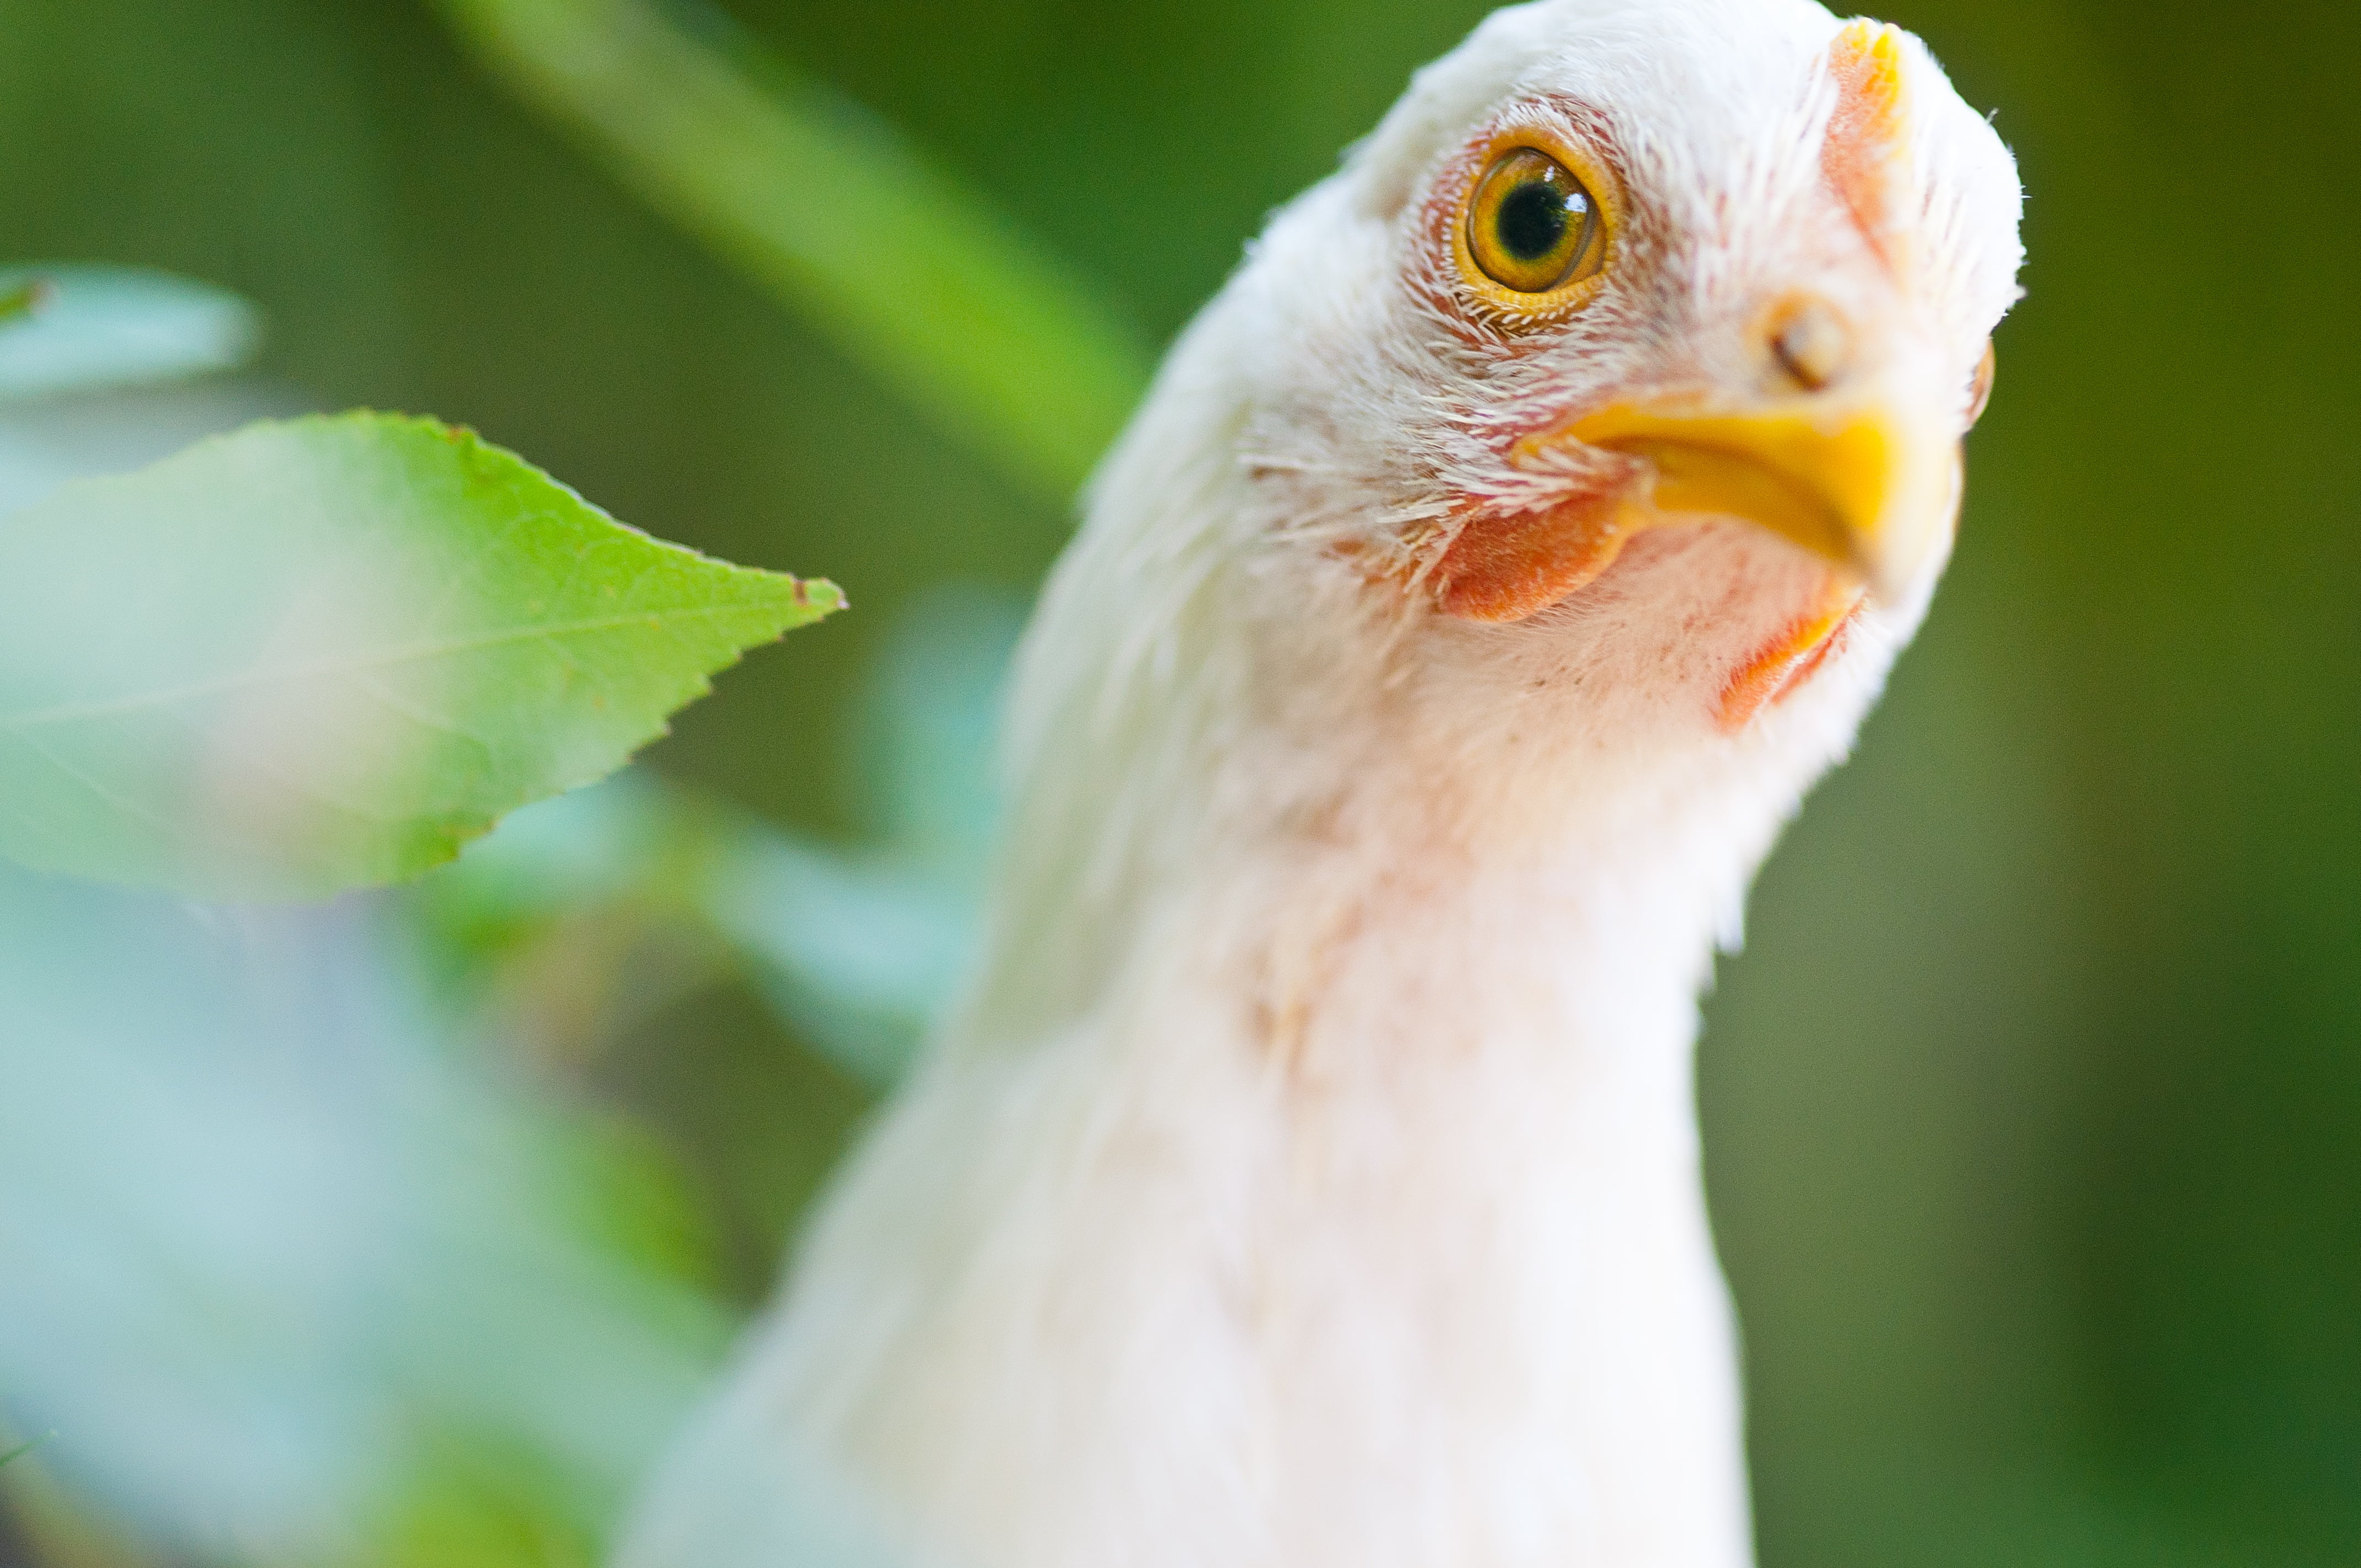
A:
(1533, 226)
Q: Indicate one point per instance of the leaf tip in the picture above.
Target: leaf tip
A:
(819, 595)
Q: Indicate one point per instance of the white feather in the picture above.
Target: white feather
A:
(1311, 1179)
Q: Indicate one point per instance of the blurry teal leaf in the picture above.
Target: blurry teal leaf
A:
(861, 952)
(327, 653)
(929, 717)
(53, 442)
(822, 204)
(856, 953)
(99, 327)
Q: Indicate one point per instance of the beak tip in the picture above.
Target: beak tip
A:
(1895, 563)
(1880, 577)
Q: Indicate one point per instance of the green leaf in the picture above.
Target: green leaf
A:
(822, 203)
(20, 1452)
(327, 653)
(91, 328)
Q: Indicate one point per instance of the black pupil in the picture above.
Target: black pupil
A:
(1534, 219)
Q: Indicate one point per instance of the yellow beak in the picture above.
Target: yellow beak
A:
(1868, 486)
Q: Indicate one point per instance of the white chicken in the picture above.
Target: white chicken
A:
(1310, 1178)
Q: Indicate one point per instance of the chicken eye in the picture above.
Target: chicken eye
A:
(1533, 228)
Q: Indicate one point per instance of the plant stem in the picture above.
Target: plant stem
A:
(23, 1449)
(831, 211)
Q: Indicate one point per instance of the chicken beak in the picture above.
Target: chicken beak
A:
(1871, 485)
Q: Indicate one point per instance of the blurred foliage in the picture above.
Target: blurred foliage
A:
(274, 1239)
(2030, 1110)
(579, 914)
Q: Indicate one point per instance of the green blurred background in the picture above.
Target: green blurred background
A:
(2033, 1107)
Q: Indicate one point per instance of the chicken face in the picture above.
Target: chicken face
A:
(1687, 305)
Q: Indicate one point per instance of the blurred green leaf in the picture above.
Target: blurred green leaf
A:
(476, 1501)
(327, 653)
(20, 1452)
(93, 328)
(913, 274)
(19, 299)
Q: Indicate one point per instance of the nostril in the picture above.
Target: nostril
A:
(1811, 344)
